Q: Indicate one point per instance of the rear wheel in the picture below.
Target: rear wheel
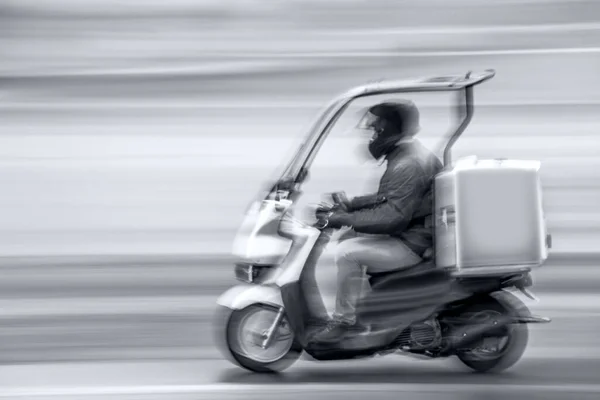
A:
(498, 353)
(245, 331)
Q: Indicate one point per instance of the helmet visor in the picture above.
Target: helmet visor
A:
(367, 122)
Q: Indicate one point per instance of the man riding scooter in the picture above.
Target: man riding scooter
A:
(393, 229)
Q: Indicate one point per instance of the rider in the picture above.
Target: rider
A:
(394, 226)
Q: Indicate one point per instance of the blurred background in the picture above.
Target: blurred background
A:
(133, 134)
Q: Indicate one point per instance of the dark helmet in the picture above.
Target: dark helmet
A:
(391, 121)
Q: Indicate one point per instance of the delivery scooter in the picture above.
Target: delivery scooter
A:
(457, 302)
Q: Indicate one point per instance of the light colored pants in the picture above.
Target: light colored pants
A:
(377, 253)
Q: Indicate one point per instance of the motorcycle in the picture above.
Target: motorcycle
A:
(442, 307)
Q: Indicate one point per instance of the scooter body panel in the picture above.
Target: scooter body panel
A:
(244, 295)
(401, 294)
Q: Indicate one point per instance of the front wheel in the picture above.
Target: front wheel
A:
(496, 354)
(244, 331)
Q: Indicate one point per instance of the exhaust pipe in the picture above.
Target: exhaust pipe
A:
(532, 319)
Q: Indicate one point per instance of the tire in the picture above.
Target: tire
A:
(228, 336)
(517, 339)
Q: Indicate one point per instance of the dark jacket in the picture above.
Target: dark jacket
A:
(403, 205)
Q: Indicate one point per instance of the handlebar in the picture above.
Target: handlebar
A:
(339, 200)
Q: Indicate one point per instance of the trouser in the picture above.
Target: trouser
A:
(377, 253)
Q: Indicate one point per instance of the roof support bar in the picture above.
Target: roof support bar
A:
(465, 112)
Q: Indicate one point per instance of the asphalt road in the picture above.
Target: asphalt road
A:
(168, 354)
(380, 379)
(142, 329)
(180, 328)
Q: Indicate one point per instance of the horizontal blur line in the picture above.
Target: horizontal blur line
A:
(451, 30)
(417, 54)
(91, 307)
(391, 54)
(111, 231)
(231, 161)
(261, 104)
(556, 257)
(212, 389)
(211, 159)
(253, 66)
(209, 353)
(233, 70)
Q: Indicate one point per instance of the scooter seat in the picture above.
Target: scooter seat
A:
(378, 278)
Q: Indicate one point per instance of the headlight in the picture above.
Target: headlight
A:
(252, 273)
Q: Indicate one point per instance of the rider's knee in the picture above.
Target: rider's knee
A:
(346, 251)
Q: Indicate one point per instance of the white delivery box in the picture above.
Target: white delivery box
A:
(489, 217)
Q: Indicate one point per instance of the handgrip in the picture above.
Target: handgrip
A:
(339, 198)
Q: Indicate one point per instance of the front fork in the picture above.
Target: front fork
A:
(270, 334)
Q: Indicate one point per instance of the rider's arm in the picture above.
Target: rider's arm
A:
(369, 200)
(403, 198)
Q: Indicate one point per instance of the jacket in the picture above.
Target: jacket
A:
(403, 204)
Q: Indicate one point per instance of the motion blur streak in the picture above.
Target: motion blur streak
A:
(133, 135)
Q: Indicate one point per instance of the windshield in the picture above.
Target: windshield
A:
(295, 171)
(289, 172)
(282, 175)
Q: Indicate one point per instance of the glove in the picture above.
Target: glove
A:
(341, 201)
(338, 219)
(345, 206)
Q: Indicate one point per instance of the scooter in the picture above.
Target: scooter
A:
(434, 309)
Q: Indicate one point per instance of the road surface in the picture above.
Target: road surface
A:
(125, 329)
(147, 357)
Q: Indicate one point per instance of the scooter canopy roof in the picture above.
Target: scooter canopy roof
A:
(427, 84)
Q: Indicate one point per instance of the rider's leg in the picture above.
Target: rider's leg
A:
(379, 253)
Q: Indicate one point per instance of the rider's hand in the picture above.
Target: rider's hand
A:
(341, 201)
(338, 219)
(345, 206)
(323, 211)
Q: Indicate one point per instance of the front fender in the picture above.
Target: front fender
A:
(243, 295)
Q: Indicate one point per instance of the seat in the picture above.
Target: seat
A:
(381, 278)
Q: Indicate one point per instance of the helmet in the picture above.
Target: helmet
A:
(391, 121)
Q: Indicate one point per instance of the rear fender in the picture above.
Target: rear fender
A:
(515, 312)
(520, 312)
(512, 303)
(244, 295)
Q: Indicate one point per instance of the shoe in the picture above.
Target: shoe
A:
(336, 331)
